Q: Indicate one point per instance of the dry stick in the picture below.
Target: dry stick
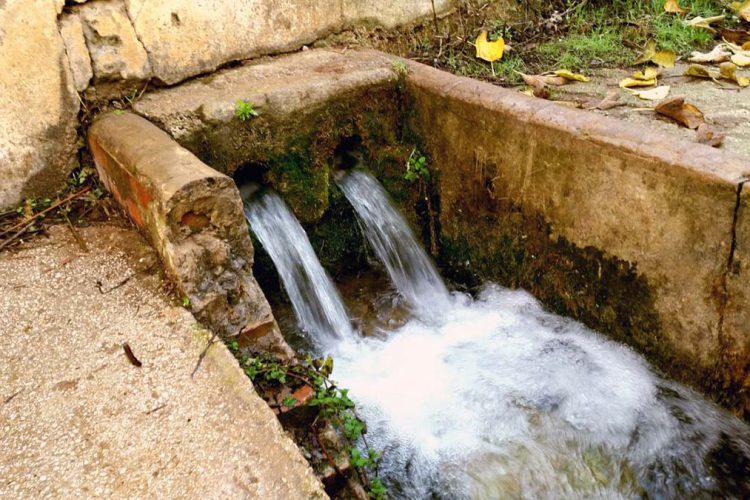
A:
(434, 15)
(76, 235)
(45, 211)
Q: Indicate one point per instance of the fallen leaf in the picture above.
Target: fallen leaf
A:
(698, 71)
(489, 51)
(717, 55)
(611, 101)
(706, 134)
(746, 46)
(742, 9)
(554, 80)
(683, 113)
(735, 36)
(568, 104)
(673, 7)
(648, 73)
(633, 82)
(656, 94)
(741, 60)
(663, 58)
(537, 84)
(569, 75)
(704, 22)
(728, 71)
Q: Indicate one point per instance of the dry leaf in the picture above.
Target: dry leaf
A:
(663, 58)
(741, 60)
(699, 71)
(683, 113)
(633, 82)
(537, 84)
(611, 101)
(673, 7)
(569, 75)
(735, 36)
(706, 134)
(656, 94)
(742, 9)
(489, 51)
(728, 71)
(746, 46)
(717, 55)
(648, 73)
(704, 22)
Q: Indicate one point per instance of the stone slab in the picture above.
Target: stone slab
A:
(78, 420)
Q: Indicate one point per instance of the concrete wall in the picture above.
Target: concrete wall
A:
(105, 48)
(628, 230)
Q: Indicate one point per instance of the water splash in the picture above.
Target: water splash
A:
(408, 265)
(316, 302)
(505, 400)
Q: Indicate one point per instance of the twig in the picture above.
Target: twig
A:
(115, 287)
(203, 354)
(12, 396)
(325, 451)
(434, 15)
(154, 410)
(131, 357)
(77, 236)
(47, 210)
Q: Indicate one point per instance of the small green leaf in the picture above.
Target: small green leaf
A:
(289, 402)
(244, 110)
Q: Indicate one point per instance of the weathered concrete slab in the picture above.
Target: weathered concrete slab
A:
(194, 217)
(300, 83)
(77, 420)
(38, 102)
(515, 170)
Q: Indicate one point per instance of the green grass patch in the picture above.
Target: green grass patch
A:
(579, 52)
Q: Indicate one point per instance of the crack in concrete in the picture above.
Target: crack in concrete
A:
(724, 299)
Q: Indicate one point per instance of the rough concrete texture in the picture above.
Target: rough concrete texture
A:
(724, 105)
(391, 14)
(71, 30)
(663, 205)
(194, 217)
(38, 102)
(77, 420)
(299, 83)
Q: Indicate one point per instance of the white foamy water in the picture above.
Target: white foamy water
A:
(408, 265)
(504, 400)
(315, 299)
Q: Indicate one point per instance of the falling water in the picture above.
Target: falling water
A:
(408, 265)
(315, 300)
(495, 397)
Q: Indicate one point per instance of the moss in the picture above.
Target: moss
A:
(518, 250)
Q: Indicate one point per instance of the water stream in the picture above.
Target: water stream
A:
(493, 397)
(317, 304)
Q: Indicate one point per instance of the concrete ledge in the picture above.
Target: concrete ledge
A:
(659, 211)
(193, 216)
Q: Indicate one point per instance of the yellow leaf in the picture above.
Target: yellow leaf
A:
(569, 75)
(656, 94)
(699, 71)
(489, 51)
(704, 22)
(673, 7)
(649, 73)
(665, 58)
(742, 9)
(728, 71)
(632, 82)
(741, 60)
(648, 53)
(746, 46)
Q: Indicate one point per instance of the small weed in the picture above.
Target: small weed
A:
(377, 491)
(186, 302)
(416, 167)
(400, 68)
(289, 402)
(244, 110)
